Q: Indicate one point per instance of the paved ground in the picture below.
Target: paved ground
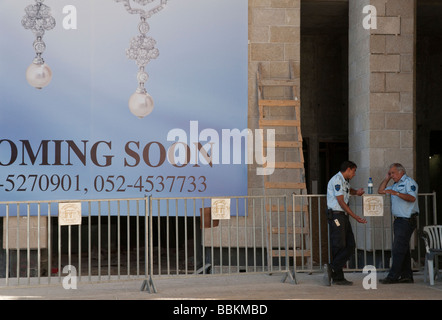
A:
(257, 295)
(235, 287)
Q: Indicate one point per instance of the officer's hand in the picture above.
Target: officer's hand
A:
(360, 192)
(361, 220)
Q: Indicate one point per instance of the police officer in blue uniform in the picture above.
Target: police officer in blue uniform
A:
(405, 209)
(341, 235)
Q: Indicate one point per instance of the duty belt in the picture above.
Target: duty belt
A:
(411, 217)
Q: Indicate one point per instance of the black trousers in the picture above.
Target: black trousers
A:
(401, 266)
(342, 242)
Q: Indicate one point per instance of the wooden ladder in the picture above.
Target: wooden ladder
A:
(268, 108)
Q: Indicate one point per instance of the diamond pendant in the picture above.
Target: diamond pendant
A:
(38, 19)
(142, 50)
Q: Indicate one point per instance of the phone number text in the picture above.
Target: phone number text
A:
(110, 183)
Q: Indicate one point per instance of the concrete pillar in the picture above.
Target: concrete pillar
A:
(382, 89)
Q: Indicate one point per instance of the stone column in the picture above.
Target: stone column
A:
(274, 41)
(382, 89)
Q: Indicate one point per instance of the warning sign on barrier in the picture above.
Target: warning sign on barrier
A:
(69, 213)
(373, 205)
(220, 209)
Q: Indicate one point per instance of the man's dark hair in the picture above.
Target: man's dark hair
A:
(347, 164)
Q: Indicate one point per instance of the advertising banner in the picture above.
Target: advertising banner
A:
(80, 137)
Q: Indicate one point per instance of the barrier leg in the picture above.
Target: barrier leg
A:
(291, 276)
(148, 285)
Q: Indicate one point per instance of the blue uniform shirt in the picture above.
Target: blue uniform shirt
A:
(401, 208)
(337, 186)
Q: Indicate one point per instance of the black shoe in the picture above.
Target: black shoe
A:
(406, 280)
(388, 281)
(342, 282)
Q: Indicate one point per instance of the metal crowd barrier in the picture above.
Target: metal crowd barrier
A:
(373, 240)
(108, 244)
(185, 239)
(151, 237)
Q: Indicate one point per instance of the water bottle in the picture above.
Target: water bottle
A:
(370, 185)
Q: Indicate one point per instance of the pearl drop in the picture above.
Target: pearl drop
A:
(141, 104)
(39, 75)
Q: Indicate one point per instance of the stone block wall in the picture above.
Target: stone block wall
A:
(274, 41)
(16, 230)
(382, 90)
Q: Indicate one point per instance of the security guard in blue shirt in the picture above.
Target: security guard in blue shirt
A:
(342, 240)
(405, 208)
